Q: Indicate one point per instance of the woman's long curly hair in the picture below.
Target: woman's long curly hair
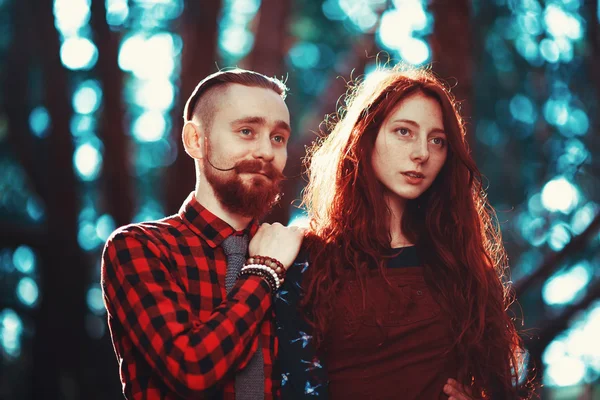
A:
(452, 222)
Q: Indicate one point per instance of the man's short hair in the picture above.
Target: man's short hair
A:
(202, 103)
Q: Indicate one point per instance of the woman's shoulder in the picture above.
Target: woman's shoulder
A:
(303, 259)
(295, 274)
(302, 262)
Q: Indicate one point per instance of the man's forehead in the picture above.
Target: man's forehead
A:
(234, 91)
(239, 101)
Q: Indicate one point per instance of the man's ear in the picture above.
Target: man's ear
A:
(193, 140)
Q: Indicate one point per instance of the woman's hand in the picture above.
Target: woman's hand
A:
(456, 391)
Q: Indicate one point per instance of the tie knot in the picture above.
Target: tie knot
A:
(235, 244)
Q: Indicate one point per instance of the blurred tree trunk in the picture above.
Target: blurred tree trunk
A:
(452, 47)
(594, 37)
(15, 102)
(199, 31)
(593, 137)
(270, 44)
(60, 333)
(101, 375)
(116, 176)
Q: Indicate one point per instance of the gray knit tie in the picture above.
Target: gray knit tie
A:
(249, 382)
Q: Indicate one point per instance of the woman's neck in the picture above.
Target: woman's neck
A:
(396, 207)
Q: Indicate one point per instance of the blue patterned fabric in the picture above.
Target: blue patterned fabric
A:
(303, 375)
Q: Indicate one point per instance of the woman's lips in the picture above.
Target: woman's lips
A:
(413, 178)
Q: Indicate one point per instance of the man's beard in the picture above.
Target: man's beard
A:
(252, 199)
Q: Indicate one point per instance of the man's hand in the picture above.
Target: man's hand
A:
(277, 241)
(456, 391)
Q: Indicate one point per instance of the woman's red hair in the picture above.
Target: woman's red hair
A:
(452, 225)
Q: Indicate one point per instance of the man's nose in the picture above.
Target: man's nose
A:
(264, 149)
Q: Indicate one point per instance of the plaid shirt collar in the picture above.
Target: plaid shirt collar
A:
(207, 225)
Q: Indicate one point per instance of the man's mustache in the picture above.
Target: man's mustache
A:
(256, 166)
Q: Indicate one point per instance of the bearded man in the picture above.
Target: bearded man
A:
(189, 297)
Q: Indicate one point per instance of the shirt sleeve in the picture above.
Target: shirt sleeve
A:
(303, 374)
(193, 358)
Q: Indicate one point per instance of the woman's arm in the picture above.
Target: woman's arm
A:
(303, 374)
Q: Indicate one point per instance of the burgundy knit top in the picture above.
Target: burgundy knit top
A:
(395, 344)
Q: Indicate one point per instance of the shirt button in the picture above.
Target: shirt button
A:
(196, 325)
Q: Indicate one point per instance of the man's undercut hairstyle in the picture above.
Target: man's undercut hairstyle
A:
(202, 102)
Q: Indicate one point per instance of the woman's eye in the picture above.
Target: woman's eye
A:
(279, 139)
(439, 141)
(403, 131)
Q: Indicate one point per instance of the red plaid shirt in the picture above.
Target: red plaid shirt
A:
(175, 331)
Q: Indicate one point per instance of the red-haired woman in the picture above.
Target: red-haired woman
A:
(401, 284)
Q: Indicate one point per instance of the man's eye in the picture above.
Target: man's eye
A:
(246, 132)
(279, 139)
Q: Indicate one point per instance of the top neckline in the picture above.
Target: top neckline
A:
(404, 257)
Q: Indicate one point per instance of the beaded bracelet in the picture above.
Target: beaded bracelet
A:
(262, 274)
(266, 269)
(265, 276)
(270, 262)
(263, 268)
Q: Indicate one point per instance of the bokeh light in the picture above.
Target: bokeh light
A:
(83, 125)
(117, 12)
(35, 208)
(71, 15)
(95, 300)
(561, 24)
(522, 109)
(304, 55)
(104, 227)
(39, 122)
(24, 259)
(149, 57)
(564, 287)
(155, 95)
(88, 161)
(78, 53)
(95, 326)
(402, 29)
(560, 195)
(583, 217)
(574, 356)
(27, 291)
(11, 329)
(87, 97)
(150, 210)
(150, 126)
(559, 236)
